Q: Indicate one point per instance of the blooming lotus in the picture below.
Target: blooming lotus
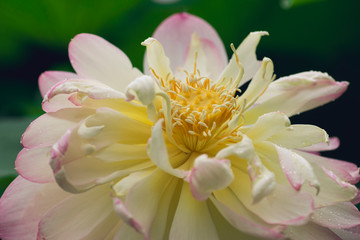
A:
(179, 152)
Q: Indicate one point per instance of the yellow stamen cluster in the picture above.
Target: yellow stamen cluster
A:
(200, 112)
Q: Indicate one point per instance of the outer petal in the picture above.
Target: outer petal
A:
(341, 215)
(33, 165)
(242, 219)
(297, 93)
(247, 58)
(74, 157)
(50, 78)
(93, 57)
(178, 29)
(346, 171)
(51, 126)
(300, 136)
(348, 233)
(22, 206)
(283, 206)
(310, 231)
(208, 175)
(86, 215)
(192, 220)
(332, 144)
(333, 188)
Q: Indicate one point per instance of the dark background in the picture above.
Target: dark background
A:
(305, 35)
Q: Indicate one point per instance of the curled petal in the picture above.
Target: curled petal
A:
(158, 153)
(243, 149)
(93, 89)
(262, 180)
(297, 169)
(158, 63)
(50, 78)
(208, 175)
(268, 125)
(126, 216)
(142, 88)
(258, 84)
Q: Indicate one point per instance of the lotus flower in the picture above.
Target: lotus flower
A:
(178, 152)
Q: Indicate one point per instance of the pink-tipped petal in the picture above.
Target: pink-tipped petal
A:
(93, 57)
(93, 89)
(22, 206)
(238, 216)
(346, 171)
(348, 233)
(297, 93)
(86, 215)
(333, 144)
(50, 78)
(341, 215)
(311, 231)
(33, 165)
(48, 128)
(178, 29)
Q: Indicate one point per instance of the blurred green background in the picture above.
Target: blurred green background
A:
(304, 35)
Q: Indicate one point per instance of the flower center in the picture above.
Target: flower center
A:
(201, 113)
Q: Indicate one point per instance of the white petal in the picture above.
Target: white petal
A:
(158, 63)
(247, 58)
(258, 84)
(268, 125)
(93, 57)
(243, 149)
(192, 220)
(300, 136)
(208, 175)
